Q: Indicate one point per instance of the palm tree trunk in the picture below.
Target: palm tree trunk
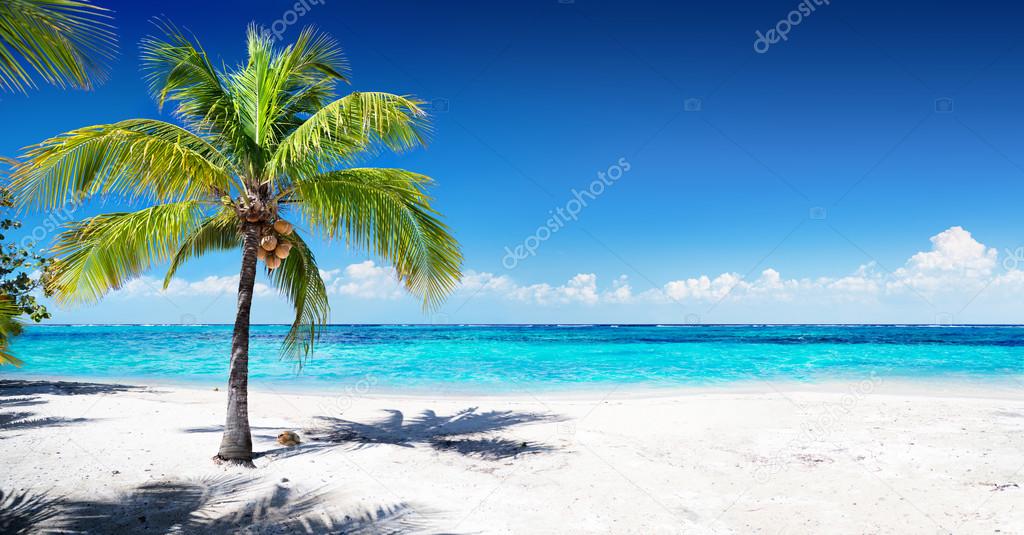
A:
(236, 445)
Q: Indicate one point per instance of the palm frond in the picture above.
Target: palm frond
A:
(178, 70)
(386, 212)
(313, 66)
(9, 162)
(65, 42)
(349, 128)
(257, 91)
(312, 58)
(218, 233)
(104, 252)
(9, 328)
(298, 278)
(138, 158)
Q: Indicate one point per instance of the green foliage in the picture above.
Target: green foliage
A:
(10, 327)
(259, 142)
(425, 255)
(65, 42)
(352, 127)
(139, 159)
(100, 253)
(217, 233)
(299, 279)
(20, 269)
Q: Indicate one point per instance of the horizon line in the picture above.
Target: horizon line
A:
(537, 324)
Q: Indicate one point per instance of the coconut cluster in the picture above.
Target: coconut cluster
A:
(273, 246)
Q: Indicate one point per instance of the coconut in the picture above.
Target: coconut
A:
(261, 253)
(283, 249)
(272, 262)
(288, 438)
(252, 217)
(283, 227)
(269, 243)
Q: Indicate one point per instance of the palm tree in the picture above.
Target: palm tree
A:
(66, 43)
(260, 141)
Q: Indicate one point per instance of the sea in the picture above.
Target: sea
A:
(509, 358)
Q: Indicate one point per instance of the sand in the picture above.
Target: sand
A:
(862, 457)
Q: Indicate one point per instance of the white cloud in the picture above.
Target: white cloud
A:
(955, 263)
(329, 275)
(475, 282)
(580, 289)
(364, 280)
(704, 288)
(212, 285)
(621, 291)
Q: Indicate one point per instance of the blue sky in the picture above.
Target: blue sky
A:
(801, 182)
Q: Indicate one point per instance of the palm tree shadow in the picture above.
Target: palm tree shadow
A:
(23, 401)
(208, 506)
(20, 421)
(220, 429)
(467, 432)
(22, 511)
(283, 512)
(155, 507)
(20, 387)
(24, 393)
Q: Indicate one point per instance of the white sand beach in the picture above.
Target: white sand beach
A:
(871, 457)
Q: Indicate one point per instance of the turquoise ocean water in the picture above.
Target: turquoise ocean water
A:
(507, 358)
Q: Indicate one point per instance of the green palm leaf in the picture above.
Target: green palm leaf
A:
(348, 129)
(299, 280)
(386, 212)
(9, 328)
(65, 42)
(217, 233)
(104, 252)
(312, 59)
(179, 71)
(139, 158)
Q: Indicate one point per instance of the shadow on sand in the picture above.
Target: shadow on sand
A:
(23, 512)
(17, 387)
(467, 432)
(22, 393)
(209, 506)
(255, 430)
(463, 432)
(20, 421)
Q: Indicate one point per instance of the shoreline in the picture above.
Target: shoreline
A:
(984, 387)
